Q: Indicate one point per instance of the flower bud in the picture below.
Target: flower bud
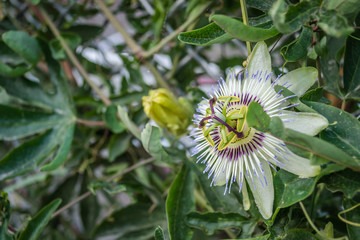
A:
(167, 111)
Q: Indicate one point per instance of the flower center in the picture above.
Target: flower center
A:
(231, 123)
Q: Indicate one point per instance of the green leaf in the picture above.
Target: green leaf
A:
(159, 234)
(57, 51)
(297, 49)
(215, 195)
(263, 5)
(212, 221)
(237, 29)
(24, 45)
(312, 146)
(352, 216)
(346, 181)
(39, 221)
(118, 145)
(321, 48)
(151, 140)
(256, 117)
(89, 208)
(35, 2)
(334, 24)
(315, 95)
(63, 150)
(17, 123)
(86, 32)
(343, 130)
(131, 219)
(28, 155)
(4, 216)
(180, 200)
(124, 117)
(299, 234)
(290, 189)
(343, 7)
(330, 67)
(111, 120)
(290, 19)
(208, 35)
(109, 187)
(352, 68)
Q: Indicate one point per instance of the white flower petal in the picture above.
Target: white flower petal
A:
(304, 122)
(263, 192)
(299, 80)
(221, 180)
(299, 166)
(260, 60)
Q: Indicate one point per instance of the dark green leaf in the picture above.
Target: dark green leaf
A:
(352, 216)
(64, 148)
(263, 5)
(321, 48)
(299, 234)
(237, 29)
(118, 145)
(159, 234)
(352, 68)
(13, 72)
(343, 130)
(334, 24)
(346, 181)
(57, 51)
(265, 237)
(24, 45)
(215, 195)
(179, 202)
(131, 219)
(212, 221)
(208, 35)
(320, 148)
(289, 188)
(151, 140)
(330, 67)
(290, 19)
(39, 221)
(28, 155)
(86, 32)
(315, 95)
(256, 117)
(297, 49)
(111, 120)
(17, 123)
(89, 208)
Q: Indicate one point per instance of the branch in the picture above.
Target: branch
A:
(134, 47)
(90, 123)
(88, 193)
(73, 58)
(167, 39)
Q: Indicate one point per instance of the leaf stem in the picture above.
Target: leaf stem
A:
(321, 234)
(246, 22)
(73, 58)
(90, 123)
(88, 193)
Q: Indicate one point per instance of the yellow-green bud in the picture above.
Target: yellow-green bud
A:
(167, 111)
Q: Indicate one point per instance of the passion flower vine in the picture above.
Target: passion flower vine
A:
(235, 152)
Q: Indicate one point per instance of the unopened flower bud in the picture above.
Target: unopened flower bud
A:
(167, 111)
